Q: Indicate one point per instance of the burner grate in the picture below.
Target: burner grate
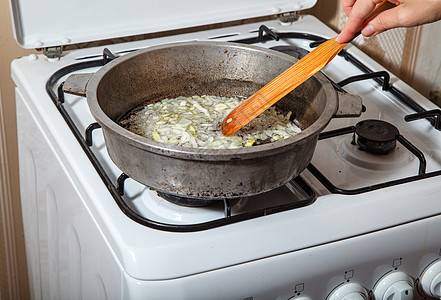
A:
(351, 130)
(117, 191)
(228, 218)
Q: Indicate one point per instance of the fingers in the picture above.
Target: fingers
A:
(406, 13)
(360, 11)
(382, 22)
(345, 36)
(347, 6)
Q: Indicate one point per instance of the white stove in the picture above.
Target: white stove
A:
(353, 225)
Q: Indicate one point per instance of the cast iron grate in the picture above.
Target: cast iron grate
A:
(117, 190)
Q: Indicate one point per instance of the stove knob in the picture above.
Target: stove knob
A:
(394, 286)
(431, 280)
(349, 291)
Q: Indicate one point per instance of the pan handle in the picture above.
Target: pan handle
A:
(349, 105)
(77, 84)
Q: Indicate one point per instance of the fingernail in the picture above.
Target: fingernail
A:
(368, 30)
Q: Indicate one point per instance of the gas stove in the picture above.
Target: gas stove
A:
(363, 219)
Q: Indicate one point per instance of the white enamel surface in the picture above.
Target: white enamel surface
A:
(312, 246)
(68, 257)
(53, 22)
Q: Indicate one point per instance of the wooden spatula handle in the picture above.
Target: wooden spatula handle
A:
(280, 86)
(287, 81)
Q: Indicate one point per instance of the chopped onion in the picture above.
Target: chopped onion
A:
(196, 122)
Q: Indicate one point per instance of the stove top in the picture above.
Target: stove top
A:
(342, 185)
(361, 153)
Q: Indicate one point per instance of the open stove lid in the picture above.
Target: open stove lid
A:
(50, 23)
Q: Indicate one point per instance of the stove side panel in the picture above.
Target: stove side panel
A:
(66, 253)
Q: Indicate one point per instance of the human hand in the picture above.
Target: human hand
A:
(406, 13)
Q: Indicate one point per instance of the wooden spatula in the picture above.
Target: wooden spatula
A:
(287, 81)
